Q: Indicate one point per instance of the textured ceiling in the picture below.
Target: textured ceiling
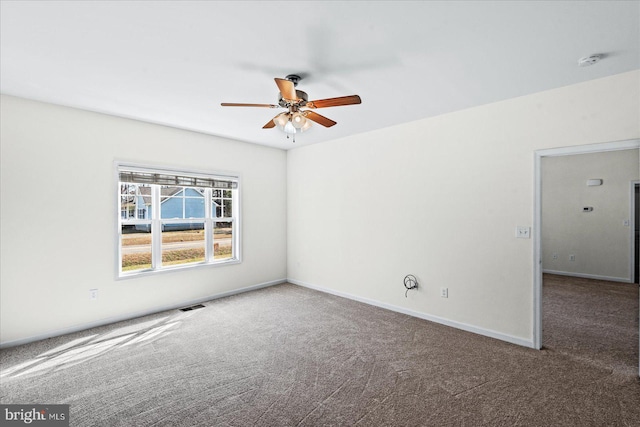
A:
(173, 63)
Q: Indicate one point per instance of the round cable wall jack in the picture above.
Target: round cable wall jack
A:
(410, 282)
(589, 60)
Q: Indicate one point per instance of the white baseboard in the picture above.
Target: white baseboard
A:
(589, 276)
(107, 321)
(436, 319)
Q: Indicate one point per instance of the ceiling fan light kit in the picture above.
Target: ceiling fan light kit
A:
(295, 119)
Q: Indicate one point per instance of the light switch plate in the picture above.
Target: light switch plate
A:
(523, 232)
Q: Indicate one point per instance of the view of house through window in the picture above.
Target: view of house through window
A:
(165, 220)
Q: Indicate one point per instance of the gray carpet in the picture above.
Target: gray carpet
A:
(592, 320)
(289, 356)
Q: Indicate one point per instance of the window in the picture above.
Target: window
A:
(171, 219)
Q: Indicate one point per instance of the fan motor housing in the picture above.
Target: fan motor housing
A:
(302, 99)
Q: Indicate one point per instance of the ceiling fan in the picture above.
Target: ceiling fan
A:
(295, 119)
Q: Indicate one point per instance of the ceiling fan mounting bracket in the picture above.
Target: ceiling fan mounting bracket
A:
(294, 78)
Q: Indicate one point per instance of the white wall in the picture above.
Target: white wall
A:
(58, 229)
(440, 198)
(599, 239)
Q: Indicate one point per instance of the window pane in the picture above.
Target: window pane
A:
(222, 240)
(227, 208)
(222, 203)
(135, 201)
(216, 208)
(136, 247)
(181, 202)
(194, 207)
(182, 243)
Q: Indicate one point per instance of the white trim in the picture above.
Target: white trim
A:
(587, 276)
(179, 267)
(537, 253)
(109, 320)
(436, 319)
(632, 227)
(118, 222)
(208, 226)
(156, 233)
(629, 144)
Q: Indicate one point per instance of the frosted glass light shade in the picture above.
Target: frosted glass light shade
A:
(289, 128)
(307, 125)
(281, 119)
(298, 120)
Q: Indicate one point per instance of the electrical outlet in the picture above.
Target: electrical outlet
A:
(554, 256)
(444, 292)
(572, 257)
(93, 294)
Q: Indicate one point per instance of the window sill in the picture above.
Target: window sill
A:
(171, 269)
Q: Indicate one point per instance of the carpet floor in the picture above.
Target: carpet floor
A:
(592, 320)
(290, 356)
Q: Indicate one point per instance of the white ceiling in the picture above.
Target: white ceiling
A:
(173, 62)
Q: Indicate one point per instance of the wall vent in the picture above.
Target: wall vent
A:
(193, 307)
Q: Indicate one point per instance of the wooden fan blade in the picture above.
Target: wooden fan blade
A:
(334, 102)
(287, 89)
(319, 119)
(270, 124)
(234, 104)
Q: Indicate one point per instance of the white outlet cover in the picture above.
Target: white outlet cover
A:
(523, 232)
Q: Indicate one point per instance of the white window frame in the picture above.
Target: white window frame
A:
(156, 222)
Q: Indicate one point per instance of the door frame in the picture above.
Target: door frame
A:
(537, 218)
(632, 226)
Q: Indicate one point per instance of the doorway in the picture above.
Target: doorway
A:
(537, 232)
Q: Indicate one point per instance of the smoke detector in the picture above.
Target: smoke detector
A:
(589, 60)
